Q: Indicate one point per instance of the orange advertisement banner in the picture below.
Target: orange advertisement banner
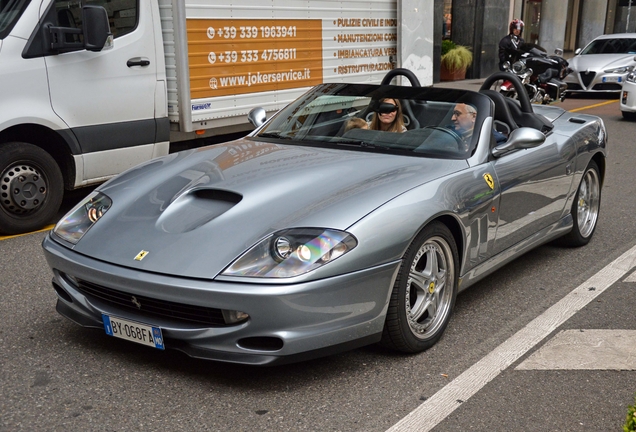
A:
(231, 57)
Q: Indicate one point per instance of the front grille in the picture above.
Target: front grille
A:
(587, 77)
(153, 307)
(573, 86)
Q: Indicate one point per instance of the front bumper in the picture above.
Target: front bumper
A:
(307, 320)
(592, 82)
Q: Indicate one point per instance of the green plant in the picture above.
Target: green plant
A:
(447, 45)
(455, 57)
(630, 421)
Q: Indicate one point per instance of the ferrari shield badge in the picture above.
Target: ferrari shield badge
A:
(141, 255)
(489, 181)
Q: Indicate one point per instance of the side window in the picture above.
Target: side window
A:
(122, 15)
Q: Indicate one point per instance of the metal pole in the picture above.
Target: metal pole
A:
(629, 10)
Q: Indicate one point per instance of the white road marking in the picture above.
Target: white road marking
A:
(586, 350)
(439, 406)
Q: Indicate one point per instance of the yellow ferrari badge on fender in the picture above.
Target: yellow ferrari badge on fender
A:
(141, 255)
(489, 181)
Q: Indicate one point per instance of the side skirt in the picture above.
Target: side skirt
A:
(552, 232)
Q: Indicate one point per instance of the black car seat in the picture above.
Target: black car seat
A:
(504, 122)
(531, 120)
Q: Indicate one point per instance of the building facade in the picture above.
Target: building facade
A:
(566, 24)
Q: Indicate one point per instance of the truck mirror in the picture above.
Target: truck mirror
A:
(96, 28)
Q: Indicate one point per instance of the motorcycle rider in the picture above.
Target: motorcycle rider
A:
(509, 44)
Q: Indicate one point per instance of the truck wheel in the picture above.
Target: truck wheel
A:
(31, 188)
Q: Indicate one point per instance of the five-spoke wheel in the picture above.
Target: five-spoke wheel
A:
(424, 293)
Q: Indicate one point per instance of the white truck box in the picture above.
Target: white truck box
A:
(79, 106)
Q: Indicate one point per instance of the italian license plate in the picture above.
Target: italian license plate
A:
(133, 331)
(612, 79)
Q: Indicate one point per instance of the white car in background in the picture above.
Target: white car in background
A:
(628, 97)
(602, 66)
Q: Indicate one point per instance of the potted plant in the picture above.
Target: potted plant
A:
(455, 61)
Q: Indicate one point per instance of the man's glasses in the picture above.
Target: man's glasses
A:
(458, 114)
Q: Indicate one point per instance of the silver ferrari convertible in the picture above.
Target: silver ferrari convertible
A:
(353, 216)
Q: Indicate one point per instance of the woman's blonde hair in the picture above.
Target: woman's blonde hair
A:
(398, 123)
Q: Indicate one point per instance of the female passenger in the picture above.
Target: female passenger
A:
(388, 117)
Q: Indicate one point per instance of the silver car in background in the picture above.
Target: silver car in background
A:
(316, 234)
(602, 66)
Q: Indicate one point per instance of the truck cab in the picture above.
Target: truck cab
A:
(83, 98)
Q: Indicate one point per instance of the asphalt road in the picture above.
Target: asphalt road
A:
(55, 375)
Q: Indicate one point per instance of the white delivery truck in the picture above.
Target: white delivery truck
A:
(90, 88)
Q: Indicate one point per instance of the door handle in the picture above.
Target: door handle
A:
(138, 61)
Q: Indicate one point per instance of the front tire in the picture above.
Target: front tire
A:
(31, 188)
(628, 115)
(424, 292)
(585, 208)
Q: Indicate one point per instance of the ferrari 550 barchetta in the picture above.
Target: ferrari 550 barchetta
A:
(353, 216)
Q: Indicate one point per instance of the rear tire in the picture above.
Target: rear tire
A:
(424, 292)
(585, 208)
(31, 188)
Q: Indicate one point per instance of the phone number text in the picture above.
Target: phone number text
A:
(252, 32)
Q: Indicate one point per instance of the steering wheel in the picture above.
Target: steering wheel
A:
(458, 140)
(522, 94)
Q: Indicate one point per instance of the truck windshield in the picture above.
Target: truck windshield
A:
(10, 11)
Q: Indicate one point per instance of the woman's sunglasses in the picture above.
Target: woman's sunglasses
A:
(386, 108)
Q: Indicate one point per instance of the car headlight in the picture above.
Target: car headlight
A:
(83, 216)
(292, 252)
(620, 70)
(631, 77)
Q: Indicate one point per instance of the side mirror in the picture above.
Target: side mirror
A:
(559, 52)
(257, 116)
(97, 35)
(577, 51)
(522, 138)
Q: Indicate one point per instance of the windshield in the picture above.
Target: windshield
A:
(10, 11)
(423, 122)
(611, 46)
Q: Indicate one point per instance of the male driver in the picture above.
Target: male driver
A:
(463, 119)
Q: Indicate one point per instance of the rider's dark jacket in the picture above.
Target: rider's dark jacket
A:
(508, 46)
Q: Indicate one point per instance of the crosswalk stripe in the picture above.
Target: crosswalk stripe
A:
(589, 349)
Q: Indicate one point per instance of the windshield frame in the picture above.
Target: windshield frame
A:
(13, 10)
(409, 143)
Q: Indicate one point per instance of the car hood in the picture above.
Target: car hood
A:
(195, 212)
(600, 62)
